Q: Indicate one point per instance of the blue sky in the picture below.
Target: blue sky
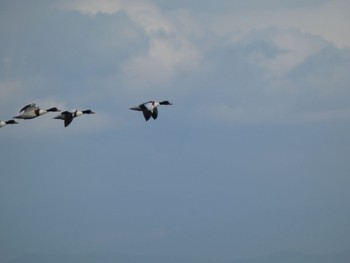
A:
(252, 158)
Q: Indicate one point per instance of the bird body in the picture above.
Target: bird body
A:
(31, 111)
(4, 123)
(149, 108)
(68, 116)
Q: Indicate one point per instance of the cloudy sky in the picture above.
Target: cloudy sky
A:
(251, 160)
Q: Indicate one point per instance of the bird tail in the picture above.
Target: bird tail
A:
(138, 108)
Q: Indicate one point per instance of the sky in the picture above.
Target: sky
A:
(251, 162)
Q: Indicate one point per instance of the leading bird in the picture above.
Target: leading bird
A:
(149, 108)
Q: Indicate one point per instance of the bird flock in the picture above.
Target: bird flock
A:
(31, 111)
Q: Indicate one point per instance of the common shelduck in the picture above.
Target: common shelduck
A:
(68, 116)
(31, 111)
(4, 123)
(149, 109)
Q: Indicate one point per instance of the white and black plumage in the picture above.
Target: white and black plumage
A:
(31, 111)
(4, 123)
(149, 109)
(68, 116)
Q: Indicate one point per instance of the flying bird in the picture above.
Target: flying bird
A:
(31, 111)
(4, 123)
(68, 116)
(149, 109)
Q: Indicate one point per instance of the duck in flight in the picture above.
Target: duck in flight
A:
(68, 116)
(4, 123)
(149, 109)
(31, 111)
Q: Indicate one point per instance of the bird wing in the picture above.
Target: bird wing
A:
(29, 107)
(155, 113)
(147, 114)
(68, 118)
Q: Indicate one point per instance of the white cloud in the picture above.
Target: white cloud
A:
(293, 48)
(329, 20)
(277, 76)
(93, 7)
(170, 50)
(142, 12)
(165, 58)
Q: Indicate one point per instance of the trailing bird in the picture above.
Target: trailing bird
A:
(149, 109)
(31, 111)
(4, 123)
(68, 116)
